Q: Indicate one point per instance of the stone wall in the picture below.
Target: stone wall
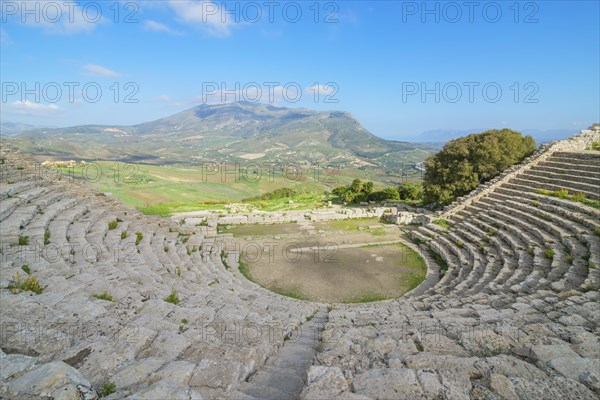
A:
(279, 217)
(578, 142)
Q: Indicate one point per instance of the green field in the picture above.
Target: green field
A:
(166, 190)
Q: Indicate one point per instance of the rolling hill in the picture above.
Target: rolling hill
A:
(228, 133)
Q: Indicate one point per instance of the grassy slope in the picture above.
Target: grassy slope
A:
(164, 190)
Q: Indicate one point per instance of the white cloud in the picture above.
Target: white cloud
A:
(98, 70)
(57, 17)
(30, 108)
(207, 15)
(158, 27)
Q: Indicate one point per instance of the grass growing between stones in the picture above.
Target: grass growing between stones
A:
(173, 298)
(442, 223)
(441, 262)
(293, 293)
(105, 296)
(564, 194)
(353, 224)
(113, 225)
(23, 240)
(29, 284)
(595, 146)
(183, 326)
(107, 389)
(224, 260)
(138, 237)
(245, 271)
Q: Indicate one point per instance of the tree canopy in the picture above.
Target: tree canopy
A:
(359, 191)
(466, 162)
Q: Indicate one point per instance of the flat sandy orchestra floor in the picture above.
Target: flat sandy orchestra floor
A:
(333, 261)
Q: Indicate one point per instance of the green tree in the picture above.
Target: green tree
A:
(367, 187)
(411, 191)
(389, 193)
(356, 186)
(357, 192)
(466, 162)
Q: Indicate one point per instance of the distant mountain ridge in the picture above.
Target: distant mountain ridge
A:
(229, 132)
(8, 128)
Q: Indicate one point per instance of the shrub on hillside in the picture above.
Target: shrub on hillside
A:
(276, 194)
(388, 193)
(355, 193)
(466, 162)
(410, 191)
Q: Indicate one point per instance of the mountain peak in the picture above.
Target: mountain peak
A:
(236, 131)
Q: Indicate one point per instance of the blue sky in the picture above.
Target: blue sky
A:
(375, 59)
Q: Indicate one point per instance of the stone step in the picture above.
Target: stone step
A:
(536, 183)
(568, 175)
(264, 392)
(556, 169)
(285, 372)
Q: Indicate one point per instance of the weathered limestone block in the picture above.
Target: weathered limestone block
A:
(13, 364)
(324, 382)
(440, 344)
(555, 388)
(136, 373)
(216, 374)
(509, 366)
(55, 379)
(166, 390)
(176, 372)
(545, 353)
(388, 383)
(503, 387)
(430, 383)
(485, 342)
(580, 369)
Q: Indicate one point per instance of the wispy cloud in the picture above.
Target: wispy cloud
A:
(158, 27)
(98, 70)
(30, 108)
(207, 15)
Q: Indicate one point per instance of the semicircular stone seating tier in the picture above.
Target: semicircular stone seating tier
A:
(514, 315)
